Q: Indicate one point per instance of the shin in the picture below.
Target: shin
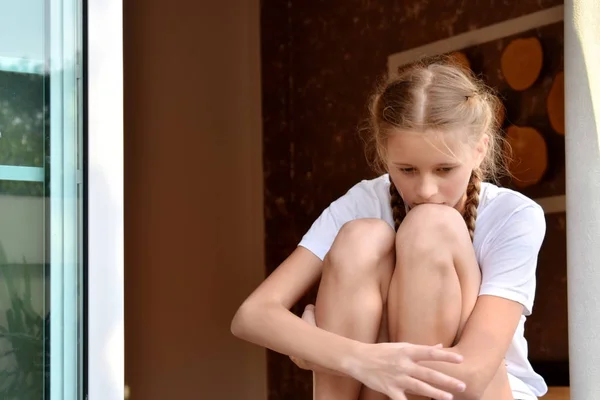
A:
(350, 301)
(436, 280)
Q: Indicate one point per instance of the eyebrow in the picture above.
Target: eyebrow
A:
(437, 165)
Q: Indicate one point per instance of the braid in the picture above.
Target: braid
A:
(470, 214)
(398, 206)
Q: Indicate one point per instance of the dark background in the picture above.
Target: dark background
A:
(320, 61)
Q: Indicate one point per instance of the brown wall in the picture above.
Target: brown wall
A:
(194, 197)
(322, 60)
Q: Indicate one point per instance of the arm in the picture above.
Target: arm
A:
(483, 344)
(264, 318)
(391, 368)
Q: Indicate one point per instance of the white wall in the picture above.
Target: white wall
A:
(582, 145)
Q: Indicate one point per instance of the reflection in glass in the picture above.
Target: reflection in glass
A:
(24, 274)
(40, 200)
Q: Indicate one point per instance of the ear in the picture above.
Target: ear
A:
(481, 149)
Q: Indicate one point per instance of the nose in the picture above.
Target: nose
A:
(426, 189)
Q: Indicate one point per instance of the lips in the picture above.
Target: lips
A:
(418, 204)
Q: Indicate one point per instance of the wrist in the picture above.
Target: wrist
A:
(352, 360)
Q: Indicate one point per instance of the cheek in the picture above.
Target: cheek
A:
(402, 184)
(456, 185)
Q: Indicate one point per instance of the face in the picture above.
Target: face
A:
(432, 167)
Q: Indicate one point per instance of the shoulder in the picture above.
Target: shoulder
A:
(374, 189)
(507, 215)
(512, 227)
(501, 205)
(370, 198)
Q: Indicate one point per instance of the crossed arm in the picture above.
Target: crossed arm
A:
(483, 344)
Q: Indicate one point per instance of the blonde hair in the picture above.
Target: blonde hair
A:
(437, 94)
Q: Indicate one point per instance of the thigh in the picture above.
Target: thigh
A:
(368, 394)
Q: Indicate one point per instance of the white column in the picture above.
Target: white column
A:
(582, 107)
(105, 185)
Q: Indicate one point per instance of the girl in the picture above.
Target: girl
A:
(404, 266)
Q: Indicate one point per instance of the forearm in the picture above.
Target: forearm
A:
(483, 344)
(274, 327)
(474, 371)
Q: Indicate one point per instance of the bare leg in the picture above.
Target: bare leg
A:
(436, 280)
(356, 275)
(384, 337)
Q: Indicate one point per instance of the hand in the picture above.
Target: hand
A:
(393, 369)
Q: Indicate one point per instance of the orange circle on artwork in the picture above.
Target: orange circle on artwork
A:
(521, 62)
(461, 59)
(555, 104)
(529, 158)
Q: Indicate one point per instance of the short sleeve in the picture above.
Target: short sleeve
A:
(323, 231)
(366, 199)
(509, 259)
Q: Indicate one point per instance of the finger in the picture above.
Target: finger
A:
(430, 353)
(423, 389)
(437, 379)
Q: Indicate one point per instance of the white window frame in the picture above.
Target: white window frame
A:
(105, 367)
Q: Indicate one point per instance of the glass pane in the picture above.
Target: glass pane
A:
(40, 200)
(22, 119)
(23, 290)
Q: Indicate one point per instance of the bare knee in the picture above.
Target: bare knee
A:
(430, 233)
(435, 262)
(432, 225)
(360, 247)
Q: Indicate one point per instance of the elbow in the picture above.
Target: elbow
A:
(246, 321)
(239, 324)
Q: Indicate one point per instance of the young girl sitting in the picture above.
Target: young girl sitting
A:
(425, 254)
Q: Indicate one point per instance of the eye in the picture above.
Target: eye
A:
(407, 171)
(445, 170)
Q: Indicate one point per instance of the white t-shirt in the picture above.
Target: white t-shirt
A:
(509, 232)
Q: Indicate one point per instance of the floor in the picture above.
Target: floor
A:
(557, 393)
